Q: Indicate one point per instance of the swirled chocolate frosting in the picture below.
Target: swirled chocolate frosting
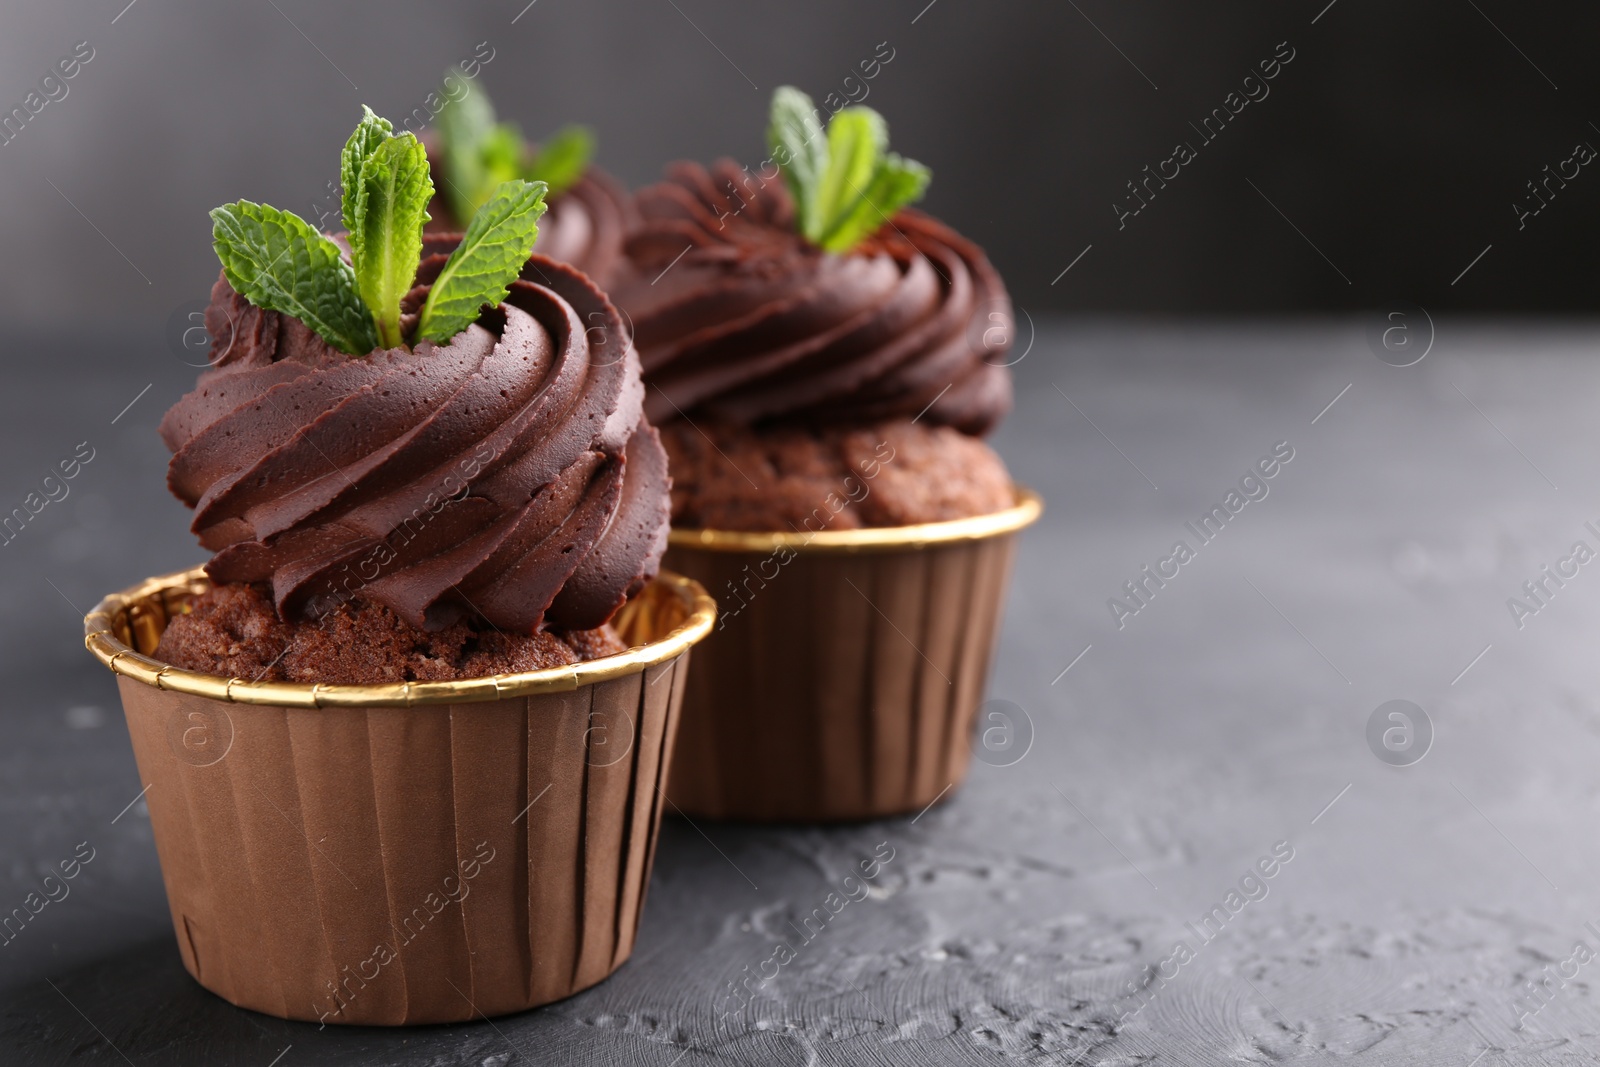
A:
(584, 226)
(739, 318)
(507, 474)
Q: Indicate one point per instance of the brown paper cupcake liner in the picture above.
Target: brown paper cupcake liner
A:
(847, 666)
(411, 853)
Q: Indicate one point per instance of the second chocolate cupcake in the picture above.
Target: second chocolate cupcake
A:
(823, 365)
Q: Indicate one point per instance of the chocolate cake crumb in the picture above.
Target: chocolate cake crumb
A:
(891, 473)
(233, 630)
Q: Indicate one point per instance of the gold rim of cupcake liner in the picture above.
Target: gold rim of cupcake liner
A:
(143, 609)
(1029, 507)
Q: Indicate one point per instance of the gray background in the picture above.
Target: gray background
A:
(1228, 715)
(1395, 142)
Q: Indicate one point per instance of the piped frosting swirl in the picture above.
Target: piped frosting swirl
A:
(738, 318)
(507, 474)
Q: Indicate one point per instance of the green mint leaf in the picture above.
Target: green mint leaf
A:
(798, 146)
(895, 183)
(369, 134)
(846, 184)
(562, 158)
(386, 242)
(857, 139)
(464, 126)
(497, 243)
(277, 261)
(501, 155)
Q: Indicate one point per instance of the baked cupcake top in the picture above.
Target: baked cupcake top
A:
(445, 426)
(471, 153)
(815, 298)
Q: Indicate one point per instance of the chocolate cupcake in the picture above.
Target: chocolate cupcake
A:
(823, 363)
(471, 153)
(422, 662)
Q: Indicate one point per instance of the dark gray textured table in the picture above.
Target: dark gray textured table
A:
(1033, 917)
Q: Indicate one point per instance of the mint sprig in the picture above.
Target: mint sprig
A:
(279, 262)
(463, 127)
(486, 262)
(561, 159)
(371, 132)
(800, 149)
(481, 153)
(846, 184)
(391, 206)
(275, 260)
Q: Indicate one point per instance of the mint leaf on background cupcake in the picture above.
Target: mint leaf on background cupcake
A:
(845, 182)
(562, 159)
(280, 262)
(480, 153)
